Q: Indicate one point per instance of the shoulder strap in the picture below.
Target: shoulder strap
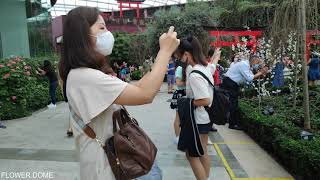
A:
(203, 75)
(86, 129)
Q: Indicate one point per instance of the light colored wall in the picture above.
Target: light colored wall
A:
(13, 28)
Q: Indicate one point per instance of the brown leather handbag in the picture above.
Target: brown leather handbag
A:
(130, 152)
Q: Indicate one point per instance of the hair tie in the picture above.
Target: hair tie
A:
(190, 38)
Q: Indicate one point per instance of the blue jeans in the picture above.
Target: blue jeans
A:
(154, 174)
(171, 79)
(52, 91)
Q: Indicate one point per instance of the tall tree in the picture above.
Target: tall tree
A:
(303, 35)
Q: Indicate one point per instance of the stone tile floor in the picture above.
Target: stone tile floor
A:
(39, 144)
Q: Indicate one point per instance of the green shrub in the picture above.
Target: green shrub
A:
(120, 50)
(281, 137)
(136, 75)
(22, 91)
(188, 20)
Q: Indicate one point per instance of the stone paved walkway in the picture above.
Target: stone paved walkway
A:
(39, 144)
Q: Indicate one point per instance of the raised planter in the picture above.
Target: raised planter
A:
(281, 138)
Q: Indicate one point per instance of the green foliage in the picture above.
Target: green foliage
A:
(280, 135)
(138, 49)
(283, 103)
(245, 13)
(130, 48)
(120, 50)
(190, 20)
(136, 75)
(22, 91)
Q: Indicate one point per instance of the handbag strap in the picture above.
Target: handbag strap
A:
(86, 128)
(116, 117)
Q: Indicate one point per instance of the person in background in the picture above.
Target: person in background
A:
(123, 71)
(237, 74)
(116, 69)
(218, 75)
(2, 125)
(48, 71)
(278, 79)
(171, 76)
(132, 68)
(146, 66)
(199, 89)
(180, 75)
(314, 69)
(217, 69)
(213, 64)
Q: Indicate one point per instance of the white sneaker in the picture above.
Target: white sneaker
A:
(176, 140)
(209, 142)
(52, 106)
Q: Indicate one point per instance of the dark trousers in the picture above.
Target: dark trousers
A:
(234, 92)
(52, 91)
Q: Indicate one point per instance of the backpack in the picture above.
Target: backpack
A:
(219, 111)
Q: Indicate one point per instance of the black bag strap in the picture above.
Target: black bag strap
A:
(203, 75)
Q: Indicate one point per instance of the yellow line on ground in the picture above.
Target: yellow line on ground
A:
(226, 165)
(263, 179)
(236, 142)
(230, 172)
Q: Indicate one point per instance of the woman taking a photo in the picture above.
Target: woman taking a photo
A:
(93, 94)
(198, 88)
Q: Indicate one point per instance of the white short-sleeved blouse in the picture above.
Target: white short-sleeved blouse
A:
(91, 94)
(199, 88)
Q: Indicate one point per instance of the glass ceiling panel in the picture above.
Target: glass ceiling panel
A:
(62, 7)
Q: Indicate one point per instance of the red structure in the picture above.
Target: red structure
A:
(234, 37)
(313, 38)
(130, 4)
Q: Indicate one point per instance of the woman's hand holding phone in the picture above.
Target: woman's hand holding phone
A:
(168, 41)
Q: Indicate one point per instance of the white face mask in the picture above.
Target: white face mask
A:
(104, 43)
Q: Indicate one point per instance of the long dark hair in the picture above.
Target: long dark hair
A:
(192, 45)
(179, 52)
(47, 66)
(184, 71)
(78, 48)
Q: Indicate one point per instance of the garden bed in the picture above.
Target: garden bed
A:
(22, 91)
(279, 133)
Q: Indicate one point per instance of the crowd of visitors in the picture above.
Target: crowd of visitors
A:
(124, 71)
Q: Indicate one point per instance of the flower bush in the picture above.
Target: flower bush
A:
(22, 91)
(271, 56)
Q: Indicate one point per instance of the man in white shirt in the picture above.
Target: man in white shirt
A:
(237, 74)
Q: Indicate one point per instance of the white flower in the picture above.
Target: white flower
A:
(244, 39)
